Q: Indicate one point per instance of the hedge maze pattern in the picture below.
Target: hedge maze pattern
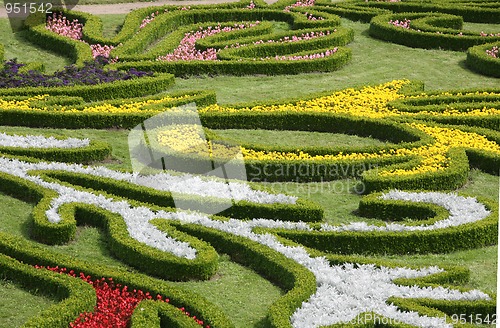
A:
(432, 141)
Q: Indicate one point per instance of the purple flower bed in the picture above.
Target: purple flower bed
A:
(92, 72)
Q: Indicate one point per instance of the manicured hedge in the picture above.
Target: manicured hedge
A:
(479, 61)
(151, 314)
(467, 310)
(467, 236)
(94, 120)
(148, 259)
(452, 177)
(137, 87)
(177, 23)
(303, 170)
(303, 210)
(31, 253)
(74, 296)
(96, 151)
(422, 36)
(268, 67)
(477, 12)
(298, 282)
(77, 51)
(451, 277)
(133, 40)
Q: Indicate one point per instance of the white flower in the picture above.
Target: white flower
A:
(31, 141)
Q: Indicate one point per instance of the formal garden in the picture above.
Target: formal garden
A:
(297, 164)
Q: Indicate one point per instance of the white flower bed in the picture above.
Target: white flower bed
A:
(31, 141)
(344, 291)
(462, 210)
(213, 188)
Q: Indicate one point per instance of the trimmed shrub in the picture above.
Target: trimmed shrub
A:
(74, 295)
(479, 61)
(118, 89)
(427, 30)
(467, 236)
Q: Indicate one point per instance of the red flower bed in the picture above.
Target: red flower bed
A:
(115, 303)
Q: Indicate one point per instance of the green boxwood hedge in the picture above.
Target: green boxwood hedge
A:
(303, 210)
(467, 236)
(31, 253)
(94, 120)
(148, 259)
(95, 151)
(298, 283)
(478, 12)
(74, 295)
(136, 87)
(479, 61)
(428, 31)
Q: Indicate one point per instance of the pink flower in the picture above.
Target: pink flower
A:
(404, 23)
(494, 52)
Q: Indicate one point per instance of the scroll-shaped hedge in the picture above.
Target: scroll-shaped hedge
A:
(479, 60)
(479, 12)
(297, 56)
(137, 87)
(75, 296)
(427, 30)
(423, 234)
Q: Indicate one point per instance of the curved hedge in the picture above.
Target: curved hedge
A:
(80, 119)
(467, 236)
(74, 295)
(137, 87)
(31, 254)
(133, 44)
(302, 210)
(298, 282)
(77, 51)
(95, 151)
(428, 31)
(146, 258)
(478, 12)
(478, 60)
(399, 136)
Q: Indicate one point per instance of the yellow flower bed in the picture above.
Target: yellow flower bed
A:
(433, 156)
(185, 138)
(147, 106)
(189, 139)
(20, 104)
(369, 101)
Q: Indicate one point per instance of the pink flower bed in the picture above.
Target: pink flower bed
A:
(299, 3)
(115, 303)
(405, 23)
(293, 38)
(187, 50)
(73, 29)
(62, 26)
(494, 52)
(489, 34)
(307, 3)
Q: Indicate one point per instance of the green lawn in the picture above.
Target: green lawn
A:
(297, 138)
